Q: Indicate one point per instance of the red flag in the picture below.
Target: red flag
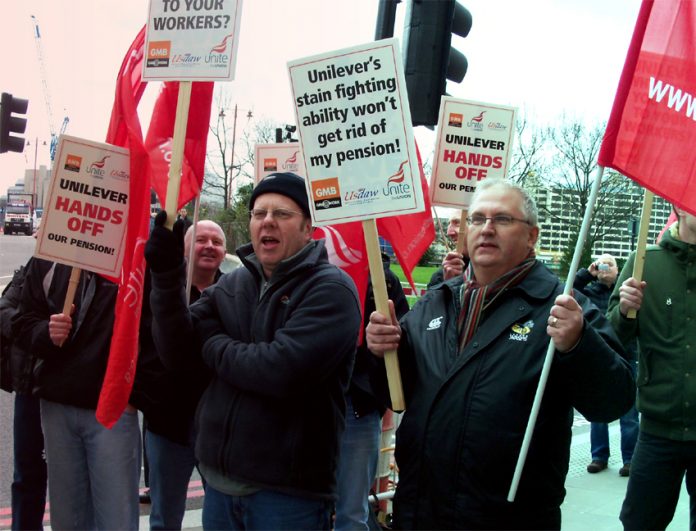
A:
(124, 130)
(651, 132)
(149, 161)
(159, 140)
(410, 235)
(345, 245)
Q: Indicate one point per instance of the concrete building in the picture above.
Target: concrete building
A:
(619, 241)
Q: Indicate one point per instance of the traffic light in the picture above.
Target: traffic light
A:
(429, 58)
(12, 124)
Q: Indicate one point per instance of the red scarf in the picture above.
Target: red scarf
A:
(476, 298)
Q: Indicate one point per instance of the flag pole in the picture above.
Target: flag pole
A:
(379, 287)
(548, 361)
(178, 143)
(639, 260)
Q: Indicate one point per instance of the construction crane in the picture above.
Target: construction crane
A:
(46, 92)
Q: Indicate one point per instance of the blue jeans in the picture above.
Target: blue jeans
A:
(93, 473)
(265, 509)
(170, 468)
(657, 471)
(357, 467)
(30, 476)
(599, 437)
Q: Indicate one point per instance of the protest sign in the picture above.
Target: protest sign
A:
(86, 215)
(272, 158)
(354, 126)
(192, 40)
(474, 142)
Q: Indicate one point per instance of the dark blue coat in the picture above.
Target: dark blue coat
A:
(466, 413)
(281, 359)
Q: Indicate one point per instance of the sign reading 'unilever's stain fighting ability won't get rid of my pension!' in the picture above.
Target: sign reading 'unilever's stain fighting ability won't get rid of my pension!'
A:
(355, 131)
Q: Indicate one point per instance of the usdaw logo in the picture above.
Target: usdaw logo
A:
(326, 193)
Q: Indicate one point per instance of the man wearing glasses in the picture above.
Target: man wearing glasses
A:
(471, 353)
(279, 337)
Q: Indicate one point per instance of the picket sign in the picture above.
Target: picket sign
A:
(639, 259)
(379, 287)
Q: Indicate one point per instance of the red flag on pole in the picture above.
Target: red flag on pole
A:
(651, 132)
(124, 130)
(149, 163)
(159, 140)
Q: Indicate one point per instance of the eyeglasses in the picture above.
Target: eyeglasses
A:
(278, 214)
(503, 220)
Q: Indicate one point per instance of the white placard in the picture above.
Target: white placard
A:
(354, 126)
(277, 158)
(474, 142)
(86, 213)
(192, 40)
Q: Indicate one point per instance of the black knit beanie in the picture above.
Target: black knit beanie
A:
(287, 184)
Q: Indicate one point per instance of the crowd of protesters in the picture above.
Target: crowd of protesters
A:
(262, 379)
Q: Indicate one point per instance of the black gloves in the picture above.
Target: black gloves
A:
(164, 250)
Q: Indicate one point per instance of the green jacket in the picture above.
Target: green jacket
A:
(666, 332)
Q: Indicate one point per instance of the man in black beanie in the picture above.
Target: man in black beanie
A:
(279, 337)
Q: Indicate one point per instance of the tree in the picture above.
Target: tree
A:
(226, 162)
(572, 166)
(235, 220)
(527, 159)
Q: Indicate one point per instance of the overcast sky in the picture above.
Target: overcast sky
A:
(546, 57)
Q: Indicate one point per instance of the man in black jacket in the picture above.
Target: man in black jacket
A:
(279, 336)
(93, 472)
(168, 398)
(30, 477)
(471, 352)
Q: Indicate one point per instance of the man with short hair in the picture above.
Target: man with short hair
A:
(665, 301)
(168, 397)
(596, 283)
(471, 353)
(453, 263)
(279, 336)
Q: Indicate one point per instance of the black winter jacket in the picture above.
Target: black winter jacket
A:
(166, 397)
(274, 411)
(17, 365)
(466, 413)
(593, 289)
(71, 374)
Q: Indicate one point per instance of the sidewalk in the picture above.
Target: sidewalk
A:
(593, 501)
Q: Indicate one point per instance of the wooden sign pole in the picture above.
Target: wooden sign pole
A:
(639, 259)
(178, 143)
(379, 287)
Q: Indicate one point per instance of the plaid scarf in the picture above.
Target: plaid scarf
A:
(476, 298)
